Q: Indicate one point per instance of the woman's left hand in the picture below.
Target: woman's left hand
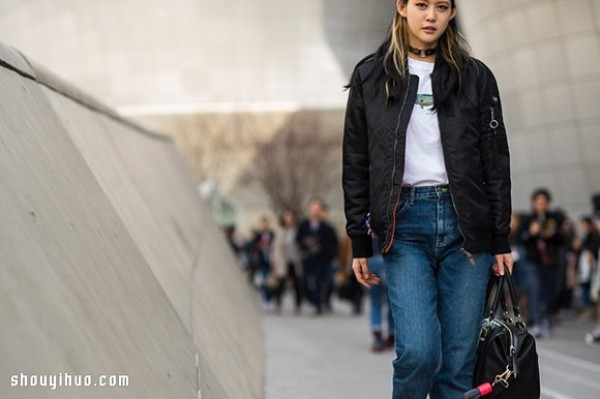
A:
(501, 263)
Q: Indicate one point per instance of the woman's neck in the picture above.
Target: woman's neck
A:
(422, 52)
(430, 58)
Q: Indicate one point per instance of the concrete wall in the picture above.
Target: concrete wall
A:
(110, 262)
(546, 56)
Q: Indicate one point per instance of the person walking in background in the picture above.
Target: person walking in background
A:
(568, 277)
(426, 168)
(259, 253)
(318, 244)
(587, 250)
(542, 237)
(378, 295)
(285, 262)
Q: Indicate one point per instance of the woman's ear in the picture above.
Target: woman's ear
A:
(454, 10)
(401, 7)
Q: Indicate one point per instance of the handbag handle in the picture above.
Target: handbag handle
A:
(498, 285)
(502, 283)
(513, 294)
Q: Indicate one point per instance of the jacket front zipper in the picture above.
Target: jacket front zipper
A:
(467, 254)
(391, 238)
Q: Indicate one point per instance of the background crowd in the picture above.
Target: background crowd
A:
(556, 267)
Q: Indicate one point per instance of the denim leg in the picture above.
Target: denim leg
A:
(376, 294)
(461, 302)
(586, 294)
(375, 308)
(266, 291)
(437, 298)
(412, 295)
(296, 279)
(390, 319)
(308, 277)
(548, 294)
(315, 282)
(321, 280)
(534, 294)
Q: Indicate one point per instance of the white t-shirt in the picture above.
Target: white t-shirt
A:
(424, 159)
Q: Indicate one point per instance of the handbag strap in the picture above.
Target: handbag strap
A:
(498, 286)
(501, 284)
(513, 294)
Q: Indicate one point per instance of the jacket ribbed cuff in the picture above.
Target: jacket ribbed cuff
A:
(362, 246)
(500, 244)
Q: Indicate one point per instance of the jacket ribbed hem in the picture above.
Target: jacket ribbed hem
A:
(500, 244)
(362, 246)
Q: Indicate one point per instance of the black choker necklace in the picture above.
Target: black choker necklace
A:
(423, 53)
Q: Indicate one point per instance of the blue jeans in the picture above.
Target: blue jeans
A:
(266, 291)
(316, 276)
(540, 294)
(437, 296)
(377, 295)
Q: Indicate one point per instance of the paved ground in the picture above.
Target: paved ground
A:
(328, 357)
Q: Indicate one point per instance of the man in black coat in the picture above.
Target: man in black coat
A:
(318, 244)
(542, 238)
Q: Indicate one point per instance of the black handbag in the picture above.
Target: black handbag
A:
(507, 361)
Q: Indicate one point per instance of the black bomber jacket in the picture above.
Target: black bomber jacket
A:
(475, 149)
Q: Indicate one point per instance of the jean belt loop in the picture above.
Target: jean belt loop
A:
(412, 194)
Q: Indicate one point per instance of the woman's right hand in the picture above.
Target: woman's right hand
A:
(360, 266)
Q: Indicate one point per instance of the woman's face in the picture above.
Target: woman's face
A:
(288, 218)
(427, 20)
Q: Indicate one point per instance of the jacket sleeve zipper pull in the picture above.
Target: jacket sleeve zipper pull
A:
(368, 224)
(494, 124)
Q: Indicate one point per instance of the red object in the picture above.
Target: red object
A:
(485, 388)
(482, 390)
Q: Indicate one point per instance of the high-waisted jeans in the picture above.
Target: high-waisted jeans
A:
(437, 293)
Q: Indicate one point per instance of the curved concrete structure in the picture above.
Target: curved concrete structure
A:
(111, 264)
(546, 57)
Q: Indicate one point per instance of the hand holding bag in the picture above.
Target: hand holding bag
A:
(507, 360)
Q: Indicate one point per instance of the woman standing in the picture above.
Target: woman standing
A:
(286, 264)
(426, 168)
